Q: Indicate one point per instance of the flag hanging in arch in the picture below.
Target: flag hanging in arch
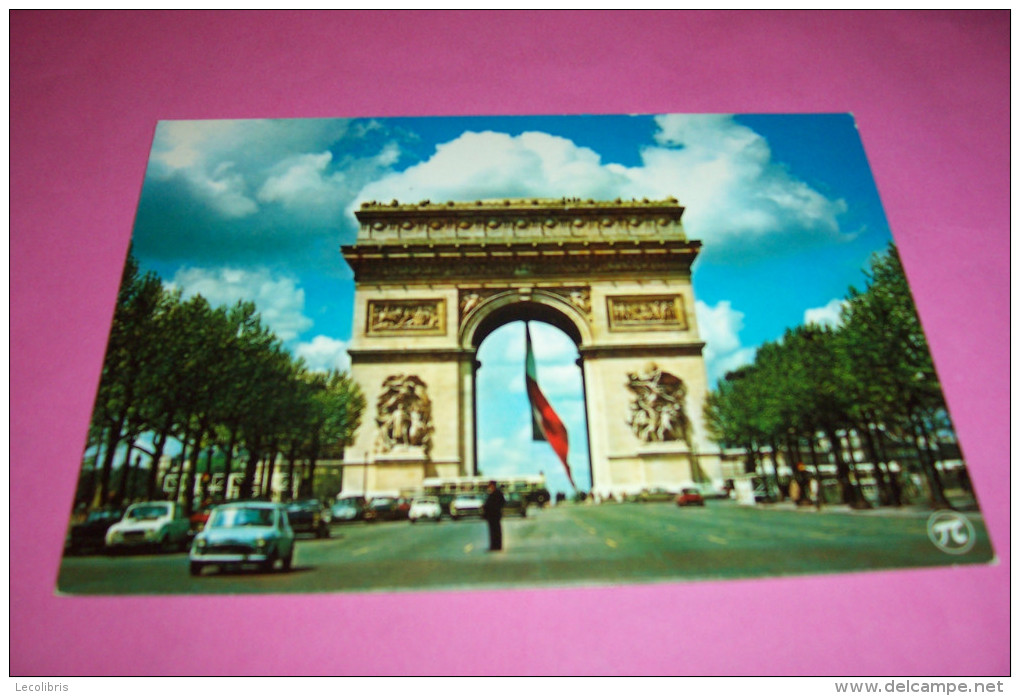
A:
(546, 425)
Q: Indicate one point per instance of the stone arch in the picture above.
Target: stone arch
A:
(523, 305)
(432, 280)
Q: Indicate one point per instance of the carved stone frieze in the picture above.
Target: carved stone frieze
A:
(406, 317)
(403, 415)
(581, 261)
(519, 219)
(646, 313)
(658, 412)
(579, 297)
(472, 297)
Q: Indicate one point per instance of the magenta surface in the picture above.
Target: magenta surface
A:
(930, 92)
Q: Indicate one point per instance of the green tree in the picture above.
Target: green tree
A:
(129, 351)
(871, 380)
(889, 353)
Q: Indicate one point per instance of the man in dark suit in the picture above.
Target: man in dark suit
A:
(493, 511)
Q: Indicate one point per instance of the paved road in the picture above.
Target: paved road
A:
(566, 545)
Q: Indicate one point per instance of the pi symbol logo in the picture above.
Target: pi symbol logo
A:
(951, 532)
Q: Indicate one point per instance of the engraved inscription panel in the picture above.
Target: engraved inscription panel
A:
(646, 313)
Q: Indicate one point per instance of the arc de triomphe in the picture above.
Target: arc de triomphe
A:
(432, 280)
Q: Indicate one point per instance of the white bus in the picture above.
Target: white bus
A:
(531, 488)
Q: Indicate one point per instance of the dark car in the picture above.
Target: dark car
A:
(690, 496)
(90, 535)
(538, 497)
(654, 495)
(387, 508)
(516, 504)
(309, 517)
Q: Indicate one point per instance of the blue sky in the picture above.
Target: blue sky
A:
(784, 205)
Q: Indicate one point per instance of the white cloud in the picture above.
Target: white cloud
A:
(555, 360)
(323, 354)
(224, 191)
(720, 327)
(721, 171)
(724, 174)
(829, 315)
(251, 143)
(500, 456)
(303, 180)
(279, 300)
(491, 165)
(309, 186)
(232, 166)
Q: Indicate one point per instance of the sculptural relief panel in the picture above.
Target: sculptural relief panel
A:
(403, 415)
(658, 412)
(406, 317)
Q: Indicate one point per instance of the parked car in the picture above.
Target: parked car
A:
(199, 518)
(347, 510)
(158, 524)
(387, 508)
(516, 504)
(444, 502)
(538, 497)
(248, 533)
(90, 535)
(466, 506)
(690, 496)
(426, 508)
(310, 517)
(654, 495)
(710, 491)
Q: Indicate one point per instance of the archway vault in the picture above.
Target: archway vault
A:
(524, 304)
(433, 280)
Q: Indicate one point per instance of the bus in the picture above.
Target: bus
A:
(446, 488)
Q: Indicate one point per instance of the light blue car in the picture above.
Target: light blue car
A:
(244, 533)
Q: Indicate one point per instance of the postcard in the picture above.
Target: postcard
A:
(397, 354)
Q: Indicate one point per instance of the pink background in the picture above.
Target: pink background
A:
(931, 95)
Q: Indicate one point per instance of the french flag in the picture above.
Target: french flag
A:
(546, 425)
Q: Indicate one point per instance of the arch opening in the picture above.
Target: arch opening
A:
(504, 442)
(524, 311)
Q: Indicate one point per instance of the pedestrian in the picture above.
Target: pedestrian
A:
(493, 511)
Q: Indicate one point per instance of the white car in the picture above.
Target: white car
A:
(466, 506)
(425, 509)
(158, 523)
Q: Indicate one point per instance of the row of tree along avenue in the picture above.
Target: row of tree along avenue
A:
(857, 403)
(216, 382)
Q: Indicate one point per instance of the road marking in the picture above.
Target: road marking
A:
(610, 543)
(819, 535)
(360, 551)
(582, 525)
(716, 540)
(467, 549)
